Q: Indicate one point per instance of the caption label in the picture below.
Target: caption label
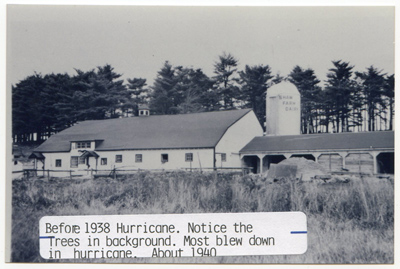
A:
(172, 235)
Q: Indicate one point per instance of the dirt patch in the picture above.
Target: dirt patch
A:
(281, 171)
(306, 169)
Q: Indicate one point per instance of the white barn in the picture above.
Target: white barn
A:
(184, 141)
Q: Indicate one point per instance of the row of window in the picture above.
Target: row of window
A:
(75, 160)
(139, 158)
(82, 145)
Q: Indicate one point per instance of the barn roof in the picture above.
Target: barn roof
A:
(313, 142)
(197, 130)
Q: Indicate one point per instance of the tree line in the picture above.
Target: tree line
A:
(348, 101)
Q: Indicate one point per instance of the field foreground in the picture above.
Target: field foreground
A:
(347, 222)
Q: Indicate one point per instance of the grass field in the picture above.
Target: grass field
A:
(347, 222)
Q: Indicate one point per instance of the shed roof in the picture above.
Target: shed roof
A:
(338, 141)
(197, 130)
(36, 155)
(143, 107)
(87, 153)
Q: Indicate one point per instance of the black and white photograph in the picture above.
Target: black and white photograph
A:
(122, 110)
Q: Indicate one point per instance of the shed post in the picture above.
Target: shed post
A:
(343, 155)
(374, 156)
(261, 163)
(316, 156)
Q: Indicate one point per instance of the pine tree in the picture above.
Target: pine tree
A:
(98, 94)
(26, 104)
(254, 83)
(57, 89)
(182, 90)
(340, 88)
(372, 84)
(139, 94)
(196, 90)
(278, 79)
(307, 84)
(225, 70)
(164, 95)
(388, 92)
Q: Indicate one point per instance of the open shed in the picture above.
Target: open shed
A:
(366, 152)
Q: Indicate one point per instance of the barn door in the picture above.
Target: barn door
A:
(360, 163)
(331, 162)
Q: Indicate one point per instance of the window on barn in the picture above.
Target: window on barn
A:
(81, 160)
(58, 163)
(138, 158)
(189, 157)
(82, 145)
(223, 157)
(164, 158)
(103, 161)
(118, 158)
(74, 161)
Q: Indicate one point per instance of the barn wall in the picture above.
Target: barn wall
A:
(360, 162)
(331, 161)
(50, 163)
(151, 159)
(235, 138)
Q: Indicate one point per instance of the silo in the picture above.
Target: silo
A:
(283, 111)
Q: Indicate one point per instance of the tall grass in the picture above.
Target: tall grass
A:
(347, 222)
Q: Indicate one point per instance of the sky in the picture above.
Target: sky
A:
(137, 40)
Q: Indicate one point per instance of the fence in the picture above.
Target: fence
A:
(113, 173)
(28, 173)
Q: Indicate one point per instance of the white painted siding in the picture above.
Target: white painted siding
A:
(151, 159)
(235, 138)
(50, 163)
